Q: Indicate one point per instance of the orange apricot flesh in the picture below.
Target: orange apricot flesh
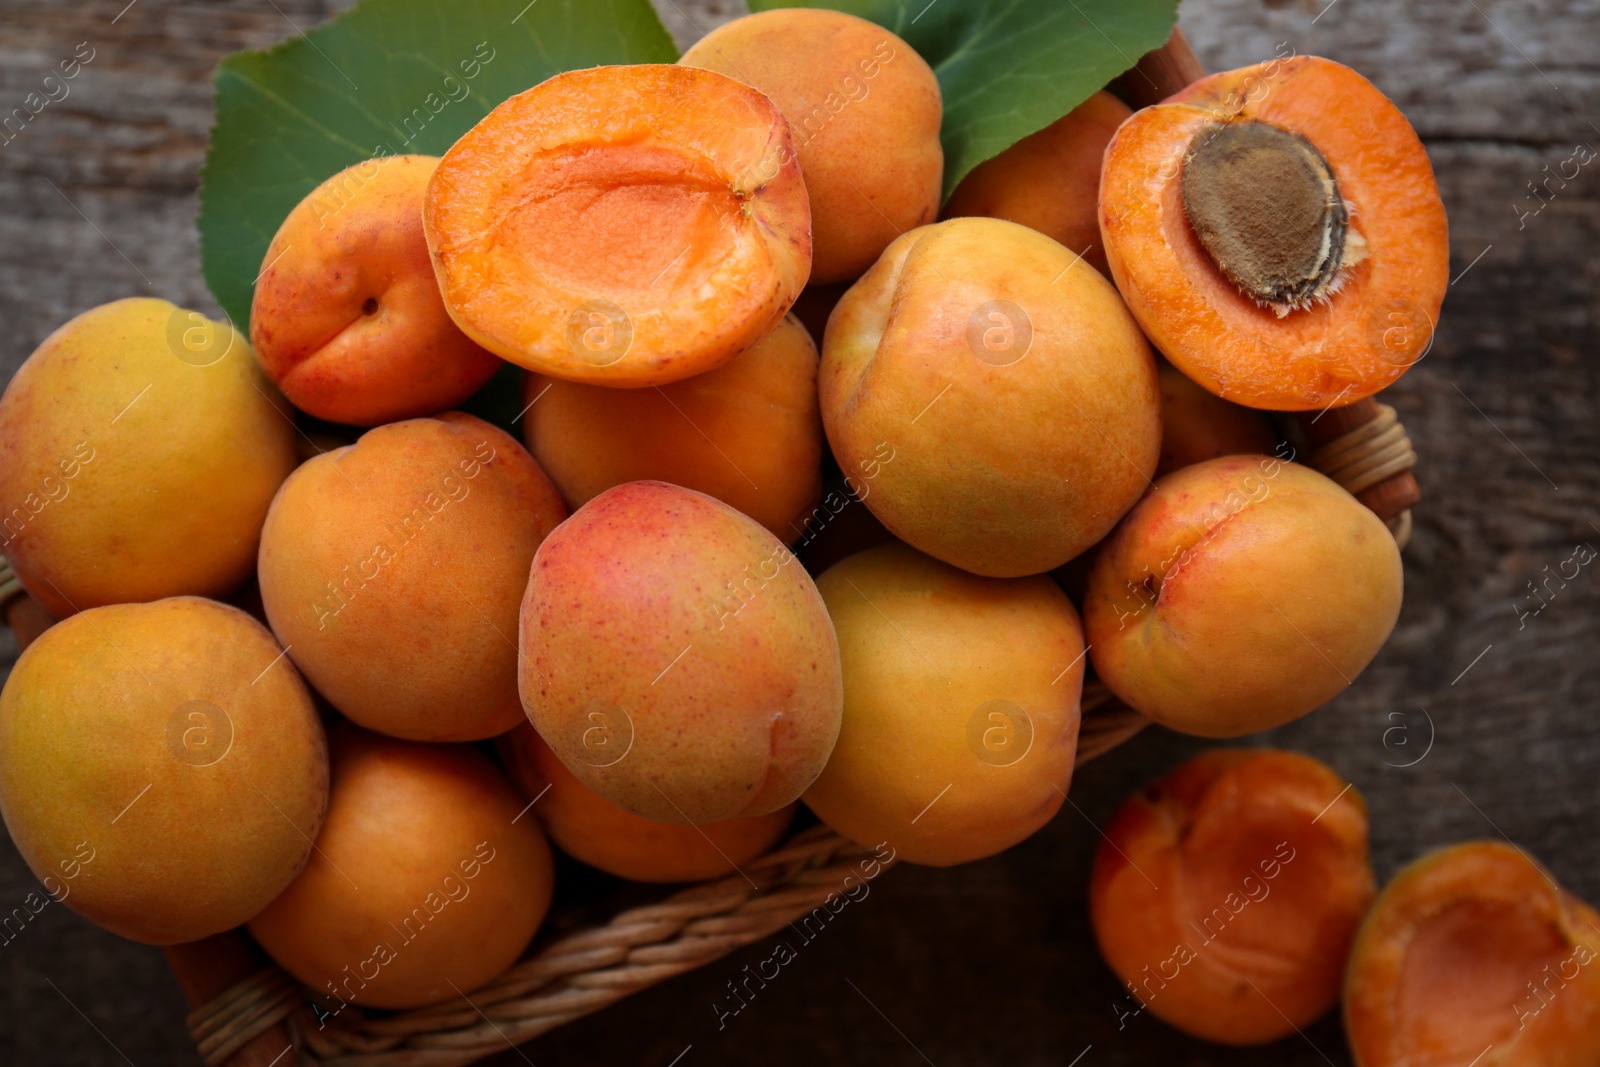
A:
(347, 318)
(628, 225)
(588, 827)
(748, 433)
(1226, 895)
(1372, 312)
(1474, 954)
(1050, 180)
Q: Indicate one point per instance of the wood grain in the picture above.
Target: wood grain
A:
(993, 962)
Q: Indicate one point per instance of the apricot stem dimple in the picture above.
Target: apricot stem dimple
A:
(1266, 207)
(369, 306)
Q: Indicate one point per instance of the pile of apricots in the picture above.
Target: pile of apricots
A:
(338, 662)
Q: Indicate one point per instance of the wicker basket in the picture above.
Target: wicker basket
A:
(249, 1015)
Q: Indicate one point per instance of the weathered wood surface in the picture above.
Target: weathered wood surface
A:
(992, 962)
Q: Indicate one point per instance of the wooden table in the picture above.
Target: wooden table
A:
(993, 962)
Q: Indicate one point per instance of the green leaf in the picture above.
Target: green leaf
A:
(389, 76)
(1008, 68)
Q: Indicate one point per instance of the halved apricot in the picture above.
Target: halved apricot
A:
(1226, 895)
(1278, 233)
(627, 225)
(1473, 954)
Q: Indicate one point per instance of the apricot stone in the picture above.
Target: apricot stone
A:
(347, 316)
(1473, 948)
(865, 110)
(1198, 425)
(140, 446)
(427, 882)
(590, 828)
(677, 658)
(392, 569)
(1011, 386)
(961, 706)
(162, 769)
(1226, 895)
(747, 433)
(626, 226)
(1049, 181)
(1239, 594)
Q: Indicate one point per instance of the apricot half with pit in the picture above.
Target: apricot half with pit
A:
(1239, 594)
(347, 317)
(1473, 954)
(1278, 233)
(627, 225)
(1226, 895)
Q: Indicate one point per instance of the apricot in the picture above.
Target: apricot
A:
(865, 110)
(1198, 425)
(747, 433)
(590, 828)
(392, 569)
(161, 771)
(1226, 895)
(428, 878)
(625, 226)
(1050, 180)
(347, 316)
(1474, 953)
(1008, 383)
(1278, 233)
(676, 657)
(1238, 595)
(140, 446)
(961, 706)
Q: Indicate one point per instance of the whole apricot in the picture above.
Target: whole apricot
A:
(140, 446)
(1474, 952)
(1050, 180)
(747, 433)
(1278, 233)
(1009, 384)
(347, 316)
(625, 226)
(865, 110)
(1226, 895)
(1198, 425)
(428, 878)
(588, 827)
(1240, 594)
(677, 658)
(162, 769)
(392, 569)
(961, 706)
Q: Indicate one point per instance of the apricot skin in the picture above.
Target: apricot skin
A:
(677, 658)
(161, 771)
(747, 433)
(1197, 425)
(961, 706)
(1474, 948)
(1014, 392)
(1226, 896)
(392, 570)
(1050, 180)
(624, 225)
(590, 828)
(865, 110)
(1240, 594)
(425, 883)
(140, 446)
(347, 317)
